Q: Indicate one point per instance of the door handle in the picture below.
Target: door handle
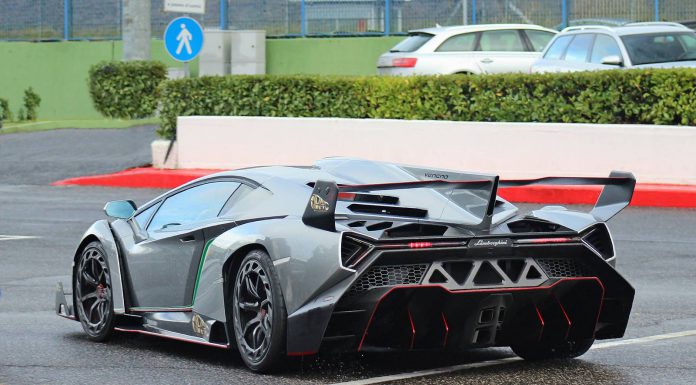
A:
(487, 61)
(188, 238)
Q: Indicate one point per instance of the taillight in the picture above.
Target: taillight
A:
(545, 240)
(404, 62)
(420, 245)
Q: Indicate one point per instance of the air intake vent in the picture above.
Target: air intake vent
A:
(388, 210)
(353, 251)
(563, 267)
(389, 275)
(599, 239)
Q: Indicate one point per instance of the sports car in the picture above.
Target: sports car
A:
(353, 255)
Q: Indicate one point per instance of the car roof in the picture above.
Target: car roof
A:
(629, 29)
(451, 30)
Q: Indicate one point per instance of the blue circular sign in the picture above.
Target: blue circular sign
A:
(183, 39)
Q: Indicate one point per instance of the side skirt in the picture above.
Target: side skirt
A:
(185, 326)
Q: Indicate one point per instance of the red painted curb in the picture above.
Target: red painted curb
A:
(649, 195)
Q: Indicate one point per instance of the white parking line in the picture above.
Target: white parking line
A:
(483, 364)
(15, 237)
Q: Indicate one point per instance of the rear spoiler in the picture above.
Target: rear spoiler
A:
(321, 208)
(616, 194)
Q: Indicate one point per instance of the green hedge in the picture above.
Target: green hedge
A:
(126, 90)
(636, 96)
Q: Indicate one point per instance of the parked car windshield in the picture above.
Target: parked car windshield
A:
(660, 47)
(412, 43)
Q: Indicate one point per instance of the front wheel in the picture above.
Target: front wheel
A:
(93, 296)
(259, 315)
(545, 351)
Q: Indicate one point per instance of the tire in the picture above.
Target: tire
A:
(563, 350)
(93, 296)
(258, 313)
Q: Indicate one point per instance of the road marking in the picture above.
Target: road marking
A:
(642, 340)
(489, 363)
(15, 237)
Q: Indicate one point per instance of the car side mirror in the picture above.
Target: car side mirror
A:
(120, 209)
(612, 60)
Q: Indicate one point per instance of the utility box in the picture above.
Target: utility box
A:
(248, 52)
(215, 55)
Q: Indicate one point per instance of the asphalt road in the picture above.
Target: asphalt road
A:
(46, 156)
(656, 254)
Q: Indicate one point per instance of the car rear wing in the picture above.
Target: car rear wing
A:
(615, 196)
(321, 208)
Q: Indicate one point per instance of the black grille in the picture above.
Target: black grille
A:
(389, 275)
(563, 267)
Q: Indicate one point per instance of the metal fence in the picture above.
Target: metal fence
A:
(101, 19)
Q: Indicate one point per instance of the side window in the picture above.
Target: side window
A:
(558, 47)
(579, 48)
(604, 46)
(539, 39)
(459, 43)
(193, 205)
(144, 216)
(239, 196)
(504, 40)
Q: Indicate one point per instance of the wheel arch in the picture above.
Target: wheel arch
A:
(101, 232)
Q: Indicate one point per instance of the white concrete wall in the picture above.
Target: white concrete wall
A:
(655, 154)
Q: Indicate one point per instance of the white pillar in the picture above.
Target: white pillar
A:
(136, 29)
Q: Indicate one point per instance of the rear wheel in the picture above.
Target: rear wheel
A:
(258, 312)
(93, 296)
(545, 351)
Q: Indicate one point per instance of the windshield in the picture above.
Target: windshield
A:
(412, 43)
(660, 47)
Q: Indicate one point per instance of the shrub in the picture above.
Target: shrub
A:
(5, 113)
(32, 101)
(126, 90)
(631, 96)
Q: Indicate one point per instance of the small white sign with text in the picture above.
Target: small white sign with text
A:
(185, 6)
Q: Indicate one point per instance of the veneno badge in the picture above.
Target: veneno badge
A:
(318, 203)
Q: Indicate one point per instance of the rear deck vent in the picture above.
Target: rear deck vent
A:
(416, 230)
(379, 226)
(534, 226)
(388, 210)
(389, 275)
(356, 224)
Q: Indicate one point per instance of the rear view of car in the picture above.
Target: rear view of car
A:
(476, 49)
(635, 45)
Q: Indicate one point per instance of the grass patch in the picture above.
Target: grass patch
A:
(45, 125)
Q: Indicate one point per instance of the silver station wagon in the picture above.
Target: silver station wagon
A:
(472, 49)
(634, 45)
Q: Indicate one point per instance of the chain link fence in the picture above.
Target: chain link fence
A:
(35, 20)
